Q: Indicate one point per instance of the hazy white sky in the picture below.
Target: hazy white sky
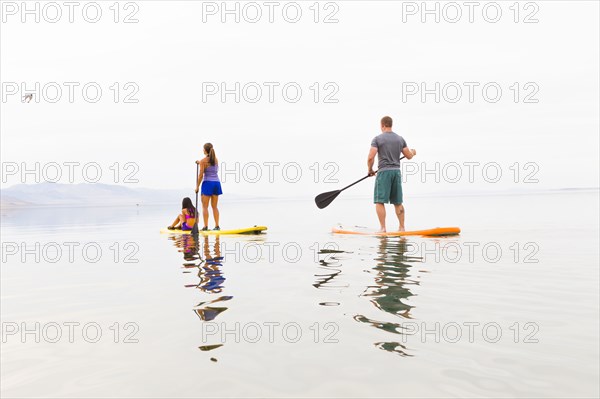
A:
(367, 61)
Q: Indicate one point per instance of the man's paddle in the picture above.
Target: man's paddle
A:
(195, 228)
(323, 200)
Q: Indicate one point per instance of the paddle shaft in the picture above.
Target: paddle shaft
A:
(367, 176)
(356, 182)
(195, 228)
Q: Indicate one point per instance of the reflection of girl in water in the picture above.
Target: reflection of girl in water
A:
(210, 272)
(189, 247)
(211, 280)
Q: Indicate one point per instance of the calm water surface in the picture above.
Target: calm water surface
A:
(507, 309)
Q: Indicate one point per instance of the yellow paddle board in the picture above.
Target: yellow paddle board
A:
(438, 231)
(248, 230)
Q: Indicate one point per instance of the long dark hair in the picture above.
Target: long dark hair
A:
(212, 158)
(187, 204)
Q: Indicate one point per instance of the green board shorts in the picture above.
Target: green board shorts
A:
(388, 187)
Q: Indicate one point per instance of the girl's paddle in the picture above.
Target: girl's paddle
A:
(195, 228)
(323, 200)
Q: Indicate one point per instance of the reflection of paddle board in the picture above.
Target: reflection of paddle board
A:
(438, 231)
(248, 230)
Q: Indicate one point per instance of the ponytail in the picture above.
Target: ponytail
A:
(212, 158)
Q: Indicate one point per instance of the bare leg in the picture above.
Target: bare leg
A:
(175, 222)
(214, 200)
(204, 199)
(380, 208)
(400, 214)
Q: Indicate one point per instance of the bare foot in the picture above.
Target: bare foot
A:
(401, 228)
(382, 230)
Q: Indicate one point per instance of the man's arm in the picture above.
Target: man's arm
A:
(409, 153)
(371, 160)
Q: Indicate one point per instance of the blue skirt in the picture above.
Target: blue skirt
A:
(211, 188)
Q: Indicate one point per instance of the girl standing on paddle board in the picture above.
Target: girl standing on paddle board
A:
(211, 186)
(186, 220)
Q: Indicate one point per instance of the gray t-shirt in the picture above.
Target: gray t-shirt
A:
(389, 150)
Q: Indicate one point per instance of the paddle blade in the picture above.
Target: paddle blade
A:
(322, 200)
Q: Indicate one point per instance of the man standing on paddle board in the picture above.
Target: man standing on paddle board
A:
(388, 146)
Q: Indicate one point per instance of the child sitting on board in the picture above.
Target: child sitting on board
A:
(186, 220)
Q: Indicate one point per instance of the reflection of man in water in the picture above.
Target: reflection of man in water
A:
(392, 278)
(391, 288)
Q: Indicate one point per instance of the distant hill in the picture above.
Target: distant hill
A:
(93, 194)
(96, 194)
(9, 201)
(48, 194)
